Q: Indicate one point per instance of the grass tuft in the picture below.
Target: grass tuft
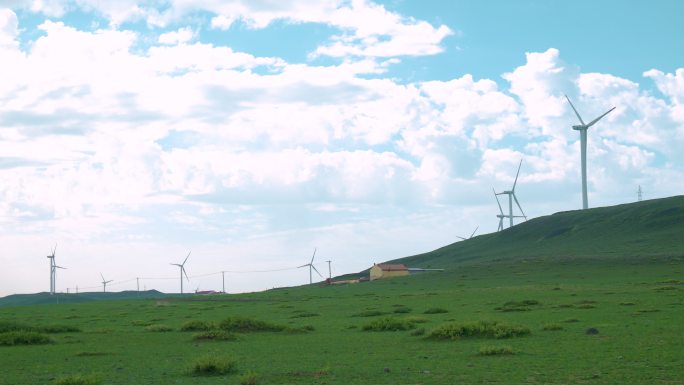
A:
(213, 365)
(389, 324)
(482, 329)
(158, 328)
(305, 315)
(370, 313)
(23, 337)
(248, 325)
(196, 326)
(524, 305)
(215, 335)
(500, 350)
(249, 378)
(78, 379)
(552, 327)
(435, 310)
(402, 310)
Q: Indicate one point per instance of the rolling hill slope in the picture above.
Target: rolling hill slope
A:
(647, 229)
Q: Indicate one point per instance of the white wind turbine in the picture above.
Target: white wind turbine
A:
(182, 271)
(582, 128)
(471, 235)
(311, 266)
(511, 197)
(104, 283)
(53, 270)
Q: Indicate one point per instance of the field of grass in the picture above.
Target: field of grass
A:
(559, 313)
(262, 338)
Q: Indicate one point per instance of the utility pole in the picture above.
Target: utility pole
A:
(329, 271)
(223, 276)
(639, 194)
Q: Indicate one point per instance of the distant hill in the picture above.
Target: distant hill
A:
(647, 229)
(46, 298)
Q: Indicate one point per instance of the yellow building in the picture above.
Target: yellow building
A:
(386, 270)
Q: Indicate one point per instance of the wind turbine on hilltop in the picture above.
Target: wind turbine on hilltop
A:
(53, 270)
(311, 266)
(582, 128)
(104, 283)
(471, 235)
(511, 198)
(182, 271)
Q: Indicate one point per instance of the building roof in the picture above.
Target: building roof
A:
(391, 267)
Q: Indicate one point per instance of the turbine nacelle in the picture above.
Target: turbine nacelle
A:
(580, 127)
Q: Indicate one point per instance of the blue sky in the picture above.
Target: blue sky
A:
(253, 132)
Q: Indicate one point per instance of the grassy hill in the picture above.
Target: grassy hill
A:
(61, 298)
(582, 297)
(647, 229)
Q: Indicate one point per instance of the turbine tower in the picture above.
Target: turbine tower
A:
(53, 271)
(104, 283)
(511, 198)
(471, 235)
(311, 266)
(582, 128)
(182, 271)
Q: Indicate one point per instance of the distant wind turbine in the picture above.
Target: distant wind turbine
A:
(582, 128)
(511, 197)
(501, 214)
(104, 283)
(182, 271)
(53, 270)
(311, 266)
(471, 235)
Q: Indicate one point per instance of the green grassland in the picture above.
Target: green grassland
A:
(608, 311)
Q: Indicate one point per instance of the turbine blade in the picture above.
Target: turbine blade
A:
(497, 201)
(314, 267)
(516, 175)
(299, 267)
(599, 118)
(471, 235)
(518, 203)
(573, 108)
(186, 274)
(102, 276)
(60, 267)
(313, 256)
(186, 258)
(54, 250)
(460, 237)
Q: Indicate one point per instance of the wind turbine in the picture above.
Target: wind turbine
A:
(511, 197)
(53, 270)
(104, 283)
(311, 266)
(182, 270)
(471, 235)
(582, 128)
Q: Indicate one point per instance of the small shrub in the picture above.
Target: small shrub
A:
(370, 313)
(301, 329)
(402, 310)
(389, 324)
(248, 325)
(626, 303)
(196, 326)
(23, 337)
(571, 320)
(483, 329)
(78, 379)
(158, 328)
(435, 310)
(418, 332)
(213, 365)
(141, 323)
(215, 335)
(585, 306)
(552, 327)
(491, 350)
(10, 326)
(249, 378)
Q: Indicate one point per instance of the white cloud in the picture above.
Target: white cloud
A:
(181, 36)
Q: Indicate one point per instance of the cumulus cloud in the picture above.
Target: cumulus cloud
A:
(181, 36)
